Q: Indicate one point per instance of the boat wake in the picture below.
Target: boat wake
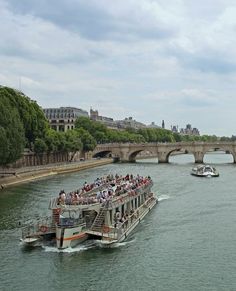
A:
(114, 245)
(79, 248)
(122, 244)
(163, 197)
(67, 250)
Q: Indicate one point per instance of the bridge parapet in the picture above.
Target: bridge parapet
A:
(128, 151)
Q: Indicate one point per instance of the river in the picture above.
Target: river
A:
(187, 242)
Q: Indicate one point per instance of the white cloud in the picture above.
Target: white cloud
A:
(148, 59)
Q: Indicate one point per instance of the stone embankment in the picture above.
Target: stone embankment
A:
(21, 175)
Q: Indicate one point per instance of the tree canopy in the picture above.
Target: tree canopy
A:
(12, 141)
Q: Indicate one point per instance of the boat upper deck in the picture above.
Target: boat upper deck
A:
(113, 190)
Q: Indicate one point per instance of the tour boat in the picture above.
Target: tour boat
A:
(108, 221)
(107, 213)
(205, 171)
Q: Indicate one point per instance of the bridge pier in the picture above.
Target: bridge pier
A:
(162, 157)
(234, 157)
(198, 157)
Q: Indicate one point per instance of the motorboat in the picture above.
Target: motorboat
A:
(204, 171)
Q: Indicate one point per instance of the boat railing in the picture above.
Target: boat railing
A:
(115, 232)
(42, 226)
(71, 222)
(116, 200)
(121, 199)
(53, 203)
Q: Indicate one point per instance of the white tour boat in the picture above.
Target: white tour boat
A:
(205, 171)
(107, 213)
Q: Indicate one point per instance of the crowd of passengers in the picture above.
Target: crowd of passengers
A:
(103, 190)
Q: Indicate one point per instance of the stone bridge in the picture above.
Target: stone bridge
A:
(127, 152)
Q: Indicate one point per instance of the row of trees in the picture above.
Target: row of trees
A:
(102, 134)
(23, 124)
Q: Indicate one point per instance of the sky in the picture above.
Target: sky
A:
(153, 60)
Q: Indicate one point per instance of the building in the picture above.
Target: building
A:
(163, 124)
(185, 131)
(63, 118)
(189, 130)
(174, 128)
(116, 124)
(108, 121)
(153, 125)
(129, 123)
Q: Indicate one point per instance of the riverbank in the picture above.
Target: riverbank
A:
(23, 175)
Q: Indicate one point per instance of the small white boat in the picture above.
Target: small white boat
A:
(204, 171)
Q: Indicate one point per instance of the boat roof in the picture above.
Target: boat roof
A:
(204, 166)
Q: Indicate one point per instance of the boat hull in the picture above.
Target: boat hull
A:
(70, 236)
(206, 175)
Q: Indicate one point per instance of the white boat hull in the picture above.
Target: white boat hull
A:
(69, 236)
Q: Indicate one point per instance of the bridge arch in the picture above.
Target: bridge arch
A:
(179, 152)
(102, 154)
(127, 152)
(214, 150)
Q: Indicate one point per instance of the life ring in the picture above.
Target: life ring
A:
(43, 228)
(57, 210)
(106, 229)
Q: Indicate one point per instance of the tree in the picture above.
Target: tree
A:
(4, 146)
(51, 140)
(85, 123)
(40, 146)
(31, 115)
(73, 140)
(12, 131)
(89, 143)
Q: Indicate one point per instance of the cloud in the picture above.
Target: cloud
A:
(150, 59)
(97, 20)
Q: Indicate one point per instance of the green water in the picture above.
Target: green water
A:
(187, 242)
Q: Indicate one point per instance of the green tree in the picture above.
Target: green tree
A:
(85, 123)
(88, 141)
(52, 140)
(73, 140)
(4, 146)
(40, 146)
(31, 115)
(12, 131)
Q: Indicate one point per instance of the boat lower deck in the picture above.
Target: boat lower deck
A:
(111, 234)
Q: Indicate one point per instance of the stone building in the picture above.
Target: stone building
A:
(63, 118)
(108, 121)
(129, 123)
(189, 130)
